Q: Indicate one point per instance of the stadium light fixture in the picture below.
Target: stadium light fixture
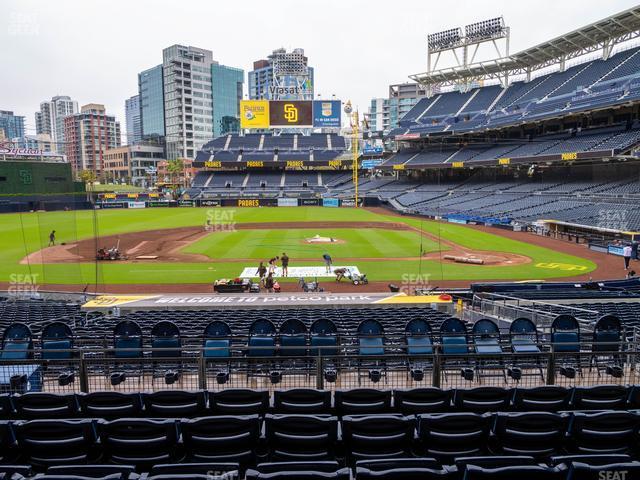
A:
(484, 30)
(445, 39)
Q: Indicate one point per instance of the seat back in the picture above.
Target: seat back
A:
(17, 342)
(604, 432)
(293, 338)
(607, 334)
(548, 398)
(262, 342)
(601, 397)
(371, 338)
(538, 434)
(217, 340)
(524, 336)
(377, 436)
(450, 435)
(323, 338)
(294, 437)
(56, 341)
(453, 335)
(34, 405)
(239, 402)
(565, 334)
(127, 340)
(165, 340)
(227, 438)
(175, 403)
(139, 442)
(486, 336)
(482, 399)
(418, 336)
(362, 401)
(422, 400)
(302, 400)
(110, 404)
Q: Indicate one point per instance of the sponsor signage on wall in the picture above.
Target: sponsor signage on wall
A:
(327, 113)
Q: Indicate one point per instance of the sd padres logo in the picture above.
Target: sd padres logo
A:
(290, 113)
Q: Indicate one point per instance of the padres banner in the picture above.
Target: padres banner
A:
(254, 114)
(294, 113)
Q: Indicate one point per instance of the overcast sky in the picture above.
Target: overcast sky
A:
(93, 50)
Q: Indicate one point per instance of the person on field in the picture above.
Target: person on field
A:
(626, 253)
(52, 238)
(340, 273)
(261, 272)
(272, 266)
(634, 250)
(269, 282)
(285, 264)
(327, 262)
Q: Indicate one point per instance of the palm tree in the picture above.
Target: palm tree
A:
(88, 177)
(175, 168)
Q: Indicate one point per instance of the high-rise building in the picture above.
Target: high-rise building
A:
(188, 105)
(12, 127)
(151, 93)
(226, 87)
(282, 76)
(89, 134)
(50, 119)
(133, 164)
(133, 124)
(385, 113)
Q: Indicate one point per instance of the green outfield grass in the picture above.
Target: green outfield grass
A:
(25, 233)
(261, 244)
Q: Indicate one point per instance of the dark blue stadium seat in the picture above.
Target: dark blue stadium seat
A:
(585, 471)
(217, 340)
(262, 339)
(127, 340)
(17, 342)
(228, 438)
(603, 432)
(293, 338)
(453, 336)
(140, 442)
(378, 436)
(449, 435)
(482, 399)
(526, 472)
(549, 398)
(524, 336)
(302, 400)
(110, 404)
(301, 437)
(45, 443)
(363, 401)
(423, 400)
(175, 403)
(165, 336)
(239, 402)
(57, 342)
(601, 397)
(323, 337)
(34, 405)
(537, 434)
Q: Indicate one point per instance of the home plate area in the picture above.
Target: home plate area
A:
(297, 272)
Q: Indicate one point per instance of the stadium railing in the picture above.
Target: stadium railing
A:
(91, 370)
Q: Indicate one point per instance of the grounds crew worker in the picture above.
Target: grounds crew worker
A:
(285, 264)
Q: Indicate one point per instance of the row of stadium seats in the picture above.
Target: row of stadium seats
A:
(523, 467)
(582, 87)
(322, 338)
(189, 404)
(243, 439)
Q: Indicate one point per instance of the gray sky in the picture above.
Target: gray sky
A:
(92, 50)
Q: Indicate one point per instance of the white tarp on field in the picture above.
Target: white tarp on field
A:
(297, 272)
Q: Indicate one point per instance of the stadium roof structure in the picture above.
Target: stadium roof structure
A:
(601, 35)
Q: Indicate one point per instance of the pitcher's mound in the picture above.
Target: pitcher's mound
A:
(322, 240)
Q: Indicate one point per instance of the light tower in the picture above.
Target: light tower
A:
(355, 122)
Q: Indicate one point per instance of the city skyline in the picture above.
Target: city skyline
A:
(29, 27)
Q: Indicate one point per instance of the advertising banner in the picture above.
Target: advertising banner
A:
(350, 202)
(326, 113)
(287, 202)
(112, 205)
(210, 203)
(137, 204)
(330, 202)
(616, 249)
(294, 113)
(309, 202)
(369, 164)
(254, 114)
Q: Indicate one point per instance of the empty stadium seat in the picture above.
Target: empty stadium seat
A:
(222, 438)
(549, 398)
(365, 401)
(377, 436)
(17, 342)
(423, 400)
(603, 432)
(110, 404)
(175, 403)
(482, 399)
(140, 442)
(449, 435)
(239, 402)
(301, 437)
(302, 400)
(34, 405)
(537, 434)
(57, 342)
(525, 472)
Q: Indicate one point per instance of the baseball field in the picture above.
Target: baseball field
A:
(182, 246)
